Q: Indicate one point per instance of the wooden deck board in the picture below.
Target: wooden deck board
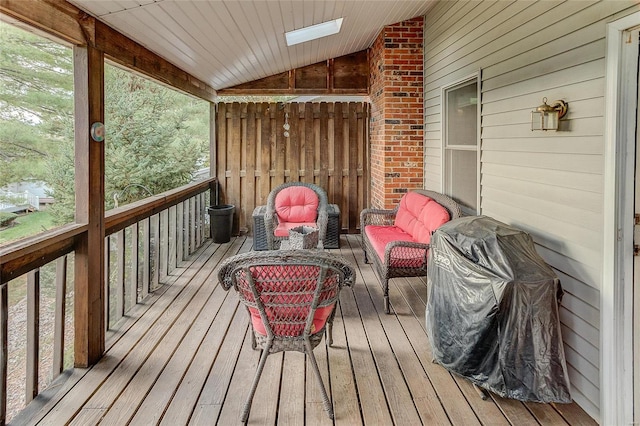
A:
(343, 387)
(292, 395)
(91, 382)
(192, 325)
(208, 390)
(314, 406)
(423, 394)
(372, 399)
(399, 399)
(159, 396)
(185, 357)
(487, 413)
(454, 403)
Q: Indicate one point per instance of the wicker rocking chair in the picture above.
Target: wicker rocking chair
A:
(290, 296)
(287, 204)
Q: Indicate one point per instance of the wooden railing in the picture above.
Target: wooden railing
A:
(144, 242)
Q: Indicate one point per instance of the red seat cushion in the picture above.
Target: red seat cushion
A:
(282, 230)
(401, 257)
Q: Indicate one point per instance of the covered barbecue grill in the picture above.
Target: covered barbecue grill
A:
(492, 311)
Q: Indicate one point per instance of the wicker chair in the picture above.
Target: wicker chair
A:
(392, 265)
(272, 219)
(290, 296)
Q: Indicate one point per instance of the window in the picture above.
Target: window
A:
(461, 143)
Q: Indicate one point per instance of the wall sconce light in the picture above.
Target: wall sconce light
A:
(547, 117)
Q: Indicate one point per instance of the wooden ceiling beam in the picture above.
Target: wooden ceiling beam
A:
(130, 54)
(65, 21)
(58, 18)
(345, 75)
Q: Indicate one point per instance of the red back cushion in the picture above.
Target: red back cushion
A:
(419, 216)
(287, 293)
(297, 204)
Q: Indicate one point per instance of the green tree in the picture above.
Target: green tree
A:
(152, 143)
(156, 138)
(36, 102)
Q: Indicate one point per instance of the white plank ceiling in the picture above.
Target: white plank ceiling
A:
(228, 42)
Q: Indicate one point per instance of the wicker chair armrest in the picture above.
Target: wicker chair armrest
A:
(270, 224)
(377, 217)
(397, 246)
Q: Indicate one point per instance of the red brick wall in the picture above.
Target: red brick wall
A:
(396, 127)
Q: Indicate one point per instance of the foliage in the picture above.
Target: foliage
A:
(7, 218)
(156, 138)
(61, 178)
(36, 102)
(150, 146)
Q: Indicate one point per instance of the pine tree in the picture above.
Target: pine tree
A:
(156, 138)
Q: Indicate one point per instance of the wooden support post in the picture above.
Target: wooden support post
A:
(213, 156)
(89, 158)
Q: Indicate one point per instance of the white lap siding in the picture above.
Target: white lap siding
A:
(547, 183)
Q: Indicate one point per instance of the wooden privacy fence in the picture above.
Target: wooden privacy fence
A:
(325, 144)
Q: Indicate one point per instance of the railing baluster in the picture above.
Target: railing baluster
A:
(155, 250)
(203, 221)
(133, 281)
(205, 204)
(172, 239)
(180, 233)
(59, 316)
(164, 244)
(175, 232)
(146, 260)
(198, 221)
(185, 229)
(33, 334)
(192, 225)
(107, 286)
(120, 244)
(4, 351)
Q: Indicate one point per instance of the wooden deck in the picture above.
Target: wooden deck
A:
(185, 358)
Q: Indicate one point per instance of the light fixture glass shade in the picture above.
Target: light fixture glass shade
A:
(547, 120)
(547, 117)
(313, 32)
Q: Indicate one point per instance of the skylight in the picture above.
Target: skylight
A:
(313, 32)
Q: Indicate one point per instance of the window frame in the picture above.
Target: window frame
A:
(446, 147)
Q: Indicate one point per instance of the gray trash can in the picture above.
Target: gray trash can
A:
(221, 222)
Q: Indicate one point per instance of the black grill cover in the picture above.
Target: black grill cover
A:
(492, 311)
